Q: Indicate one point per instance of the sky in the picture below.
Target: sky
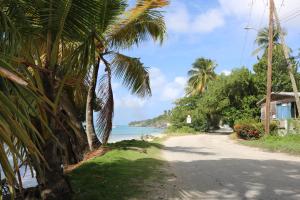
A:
(212, 29)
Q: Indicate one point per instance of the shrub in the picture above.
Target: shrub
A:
(183, 129)
(247, 131)
(251, 129)
(274, 127)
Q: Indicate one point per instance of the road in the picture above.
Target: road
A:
(212, 166)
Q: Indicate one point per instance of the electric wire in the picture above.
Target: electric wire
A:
(247, 32)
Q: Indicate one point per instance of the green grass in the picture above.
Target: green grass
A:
(287, 144)
(122, 173)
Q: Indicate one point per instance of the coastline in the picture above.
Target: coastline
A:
(126, 132)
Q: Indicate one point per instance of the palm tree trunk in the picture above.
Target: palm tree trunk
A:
(54, 185)
(290, 65)
(79, 131)
(93, 140)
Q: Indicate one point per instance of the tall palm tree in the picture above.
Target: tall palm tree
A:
(121, 30)
(49, 44)
(262, 40)
(47, 49)
(202, 72)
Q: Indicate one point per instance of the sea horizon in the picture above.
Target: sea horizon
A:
(126, 132)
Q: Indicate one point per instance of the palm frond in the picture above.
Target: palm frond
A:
(132, 73)
(140, 23)
(105, 116)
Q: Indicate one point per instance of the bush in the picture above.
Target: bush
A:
(247, 131)
(293, 126)
(274, 128)
(183, 129)
(251, 129)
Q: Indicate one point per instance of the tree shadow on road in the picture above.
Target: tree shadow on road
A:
(212, 179)
(236, 179)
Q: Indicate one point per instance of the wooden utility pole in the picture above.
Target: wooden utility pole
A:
(269, 72)
(287, 57)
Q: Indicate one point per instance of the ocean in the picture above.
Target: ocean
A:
(124, 132)
(119, 133)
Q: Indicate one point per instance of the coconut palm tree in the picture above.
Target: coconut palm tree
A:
(47, 49)
(262, 40)
(121, 30)
(47, 43)
(202, 72)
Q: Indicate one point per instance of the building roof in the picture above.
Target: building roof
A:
(278, 96)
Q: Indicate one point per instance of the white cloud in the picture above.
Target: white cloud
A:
(130, 101)
(165, 90)
(157, 79)
(174, 89)
(162, 91)
(259, 15)
(208, 21)
(226, 72)
(179, 20)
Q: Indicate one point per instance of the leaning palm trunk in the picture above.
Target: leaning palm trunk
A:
(93, 140)
(290, 65)
(78, 139)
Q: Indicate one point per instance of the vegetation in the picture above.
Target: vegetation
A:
(142, 22)
(122, 173)
(202, 72)
(48, 49)
(289, 143)
(160, 121)
(249, 129)
(228, 99)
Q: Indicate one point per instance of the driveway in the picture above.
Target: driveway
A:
(212, 166)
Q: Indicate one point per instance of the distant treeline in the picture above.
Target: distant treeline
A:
(158, 122)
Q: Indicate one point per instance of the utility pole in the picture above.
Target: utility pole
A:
(269, 72)
(286, 55)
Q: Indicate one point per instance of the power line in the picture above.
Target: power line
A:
(282, 3)
(260, 23)
(263, 16)
(291, 17)
(247, 31)
(291, 13)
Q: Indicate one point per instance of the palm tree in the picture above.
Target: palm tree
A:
(48, 44)
(47, 49)
(262, 40)
(121, 30)
(202, 72)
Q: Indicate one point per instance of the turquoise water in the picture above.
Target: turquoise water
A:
(123, 132)
(118, 133)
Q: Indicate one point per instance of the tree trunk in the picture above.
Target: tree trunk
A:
(54, 185)
(93, 140)
(79, 131)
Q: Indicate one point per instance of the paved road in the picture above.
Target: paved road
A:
(215, 167)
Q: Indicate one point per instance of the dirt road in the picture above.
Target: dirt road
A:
(215, 167)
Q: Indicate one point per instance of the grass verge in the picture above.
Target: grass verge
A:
(129, 171)
(288, 144)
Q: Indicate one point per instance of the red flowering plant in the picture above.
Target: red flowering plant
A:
(248, 131)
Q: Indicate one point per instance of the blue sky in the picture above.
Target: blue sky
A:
(200, 28)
